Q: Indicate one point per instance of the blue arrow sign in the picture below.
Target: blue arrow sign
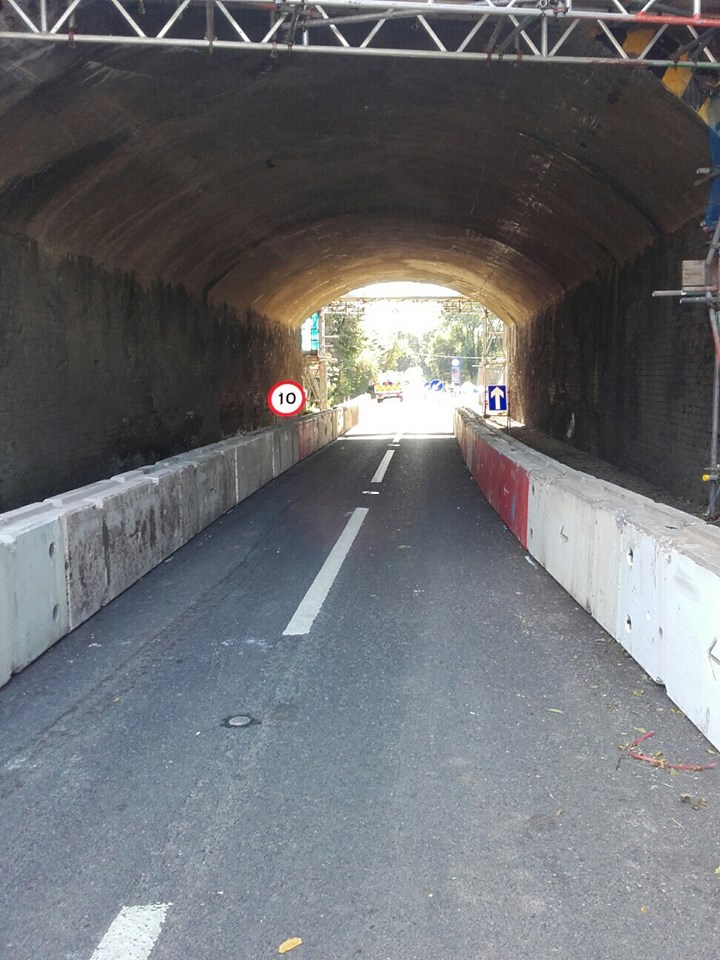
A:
(497, 398)
(436, 385)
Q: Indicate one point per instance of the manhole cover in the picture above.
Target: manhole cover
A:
(241, 720)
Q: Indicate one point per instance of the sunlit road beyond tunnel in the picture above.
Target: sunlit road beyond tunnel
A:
(426, 768)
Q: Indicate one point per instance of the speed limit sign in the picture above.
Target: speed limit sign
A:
(287, 398)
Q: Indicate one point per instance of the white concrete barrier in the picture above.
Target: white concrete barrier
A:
(308, 429)
(86, 565)
(115, 531)
(257, 459)
(33, 595)
(573, 533)
(215, 482)
(287, 447)
(649, 574)
(7, 618)
(112, 538)
(325, 427)
(338, 421)
(63, 559)
(692, 635)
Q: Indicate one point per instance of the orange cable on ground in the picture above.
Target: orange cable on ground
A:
(659, 762)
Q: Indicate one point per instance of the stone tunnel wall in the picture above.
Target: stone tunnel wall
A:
(99, 373)
(626, 377)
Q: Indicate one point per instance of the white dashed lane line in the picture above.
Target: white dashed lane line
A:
(381, 470)
(133, 933)
(312, 602)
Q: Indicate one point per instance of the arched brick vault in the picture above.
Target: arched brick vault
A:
(275, 185)
(141, 191)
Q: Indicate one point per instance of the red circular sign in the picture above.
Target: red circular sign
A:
(287, 398)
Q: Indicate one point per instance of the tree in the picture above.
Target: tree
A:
(470, 332)
(405, 351)
(351, 365)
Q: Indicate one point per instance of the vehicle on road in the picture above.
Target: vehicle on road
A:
(388, 390)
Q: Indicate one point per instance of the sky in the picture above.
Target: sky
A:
(389, 316)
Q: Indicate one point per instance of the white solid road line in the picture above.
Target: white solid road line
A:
(384, 463)
(133, 933)
(312, 602)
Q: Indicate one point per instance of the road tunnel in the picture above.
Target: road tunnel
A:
(170, 216)
(284, 736)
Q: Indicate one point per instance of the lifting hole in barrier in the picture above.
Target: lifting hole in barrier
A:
(56, 613)
(628, 623)
(51, 550)
(630, 557)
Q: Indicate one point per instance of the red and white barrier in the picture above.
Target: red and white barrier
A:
(649, 574)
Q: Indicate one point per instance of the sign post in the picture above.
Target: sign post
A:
(456, 371)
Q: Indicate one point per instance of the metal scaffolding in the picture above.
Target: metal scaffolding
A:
(655, 33)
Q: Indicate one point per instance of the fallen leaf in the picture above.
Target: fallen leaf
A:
(290, 944)
(718, 871)
(640, 729)
(643, 909)
(116, 699)
(554, 710)
(639, 692)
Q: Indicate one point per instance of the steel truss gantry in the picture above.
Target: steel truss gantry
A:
(656, 33)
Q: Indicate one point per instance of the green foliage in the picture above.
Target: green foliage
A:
(356, 361)
(462, 333)
(405, 351)
(351, 368)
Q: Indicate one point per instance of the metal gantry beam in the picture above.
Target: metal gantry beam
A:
(680, 34)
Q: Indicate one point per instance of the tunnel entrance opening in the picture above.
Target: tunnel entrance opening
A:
(393, 338)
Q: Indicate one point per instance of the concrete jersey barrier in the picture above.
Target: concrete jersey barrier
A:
(63, 559)
(649, 574)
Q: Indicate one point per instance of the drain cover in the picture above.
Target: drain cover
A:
(241, 720)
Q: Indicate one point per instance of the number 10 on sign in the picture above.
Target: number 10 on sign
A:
(287, 398)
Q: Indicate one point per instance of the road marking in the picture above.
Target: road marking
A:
(312, 602)
(397, 438)
(381, 470)
(132, 934)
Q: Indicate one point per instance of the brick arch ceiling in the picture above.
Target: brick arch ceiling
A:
(277, 184)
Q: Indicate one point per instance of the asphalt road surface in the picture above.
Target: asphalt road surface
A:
(431, 770)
